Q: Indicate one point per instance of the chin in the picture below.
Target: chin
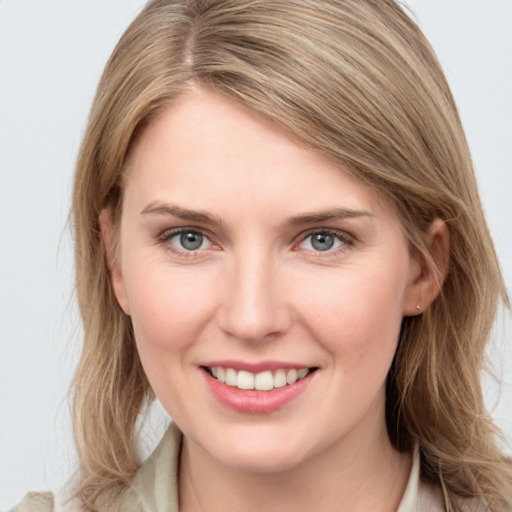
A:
(260, 449)
(263, 461)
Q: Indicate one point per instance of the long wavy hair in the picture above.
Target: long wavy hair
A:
(357, 81)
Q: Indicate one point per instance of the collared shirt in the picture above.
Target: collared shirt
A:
(151, 490)
(155, 487)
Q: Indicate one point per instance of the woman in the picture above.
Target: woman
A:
(278, 235)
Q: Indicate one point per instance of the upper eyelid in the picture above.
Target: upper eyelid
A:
(331, 231)
(170, 232)
(347, 240)
(166, 235)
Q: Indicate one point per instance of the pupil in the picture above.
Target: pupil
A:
(191, 241)
(322, 241)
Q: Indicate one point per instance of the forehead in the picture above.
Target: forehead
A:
(206, 147)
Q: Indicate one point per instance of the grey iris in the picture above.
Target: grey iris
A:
(191, 241)
(322, 241)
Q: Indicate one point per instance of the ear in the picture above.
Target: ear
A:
(428, 274)
(116, 276)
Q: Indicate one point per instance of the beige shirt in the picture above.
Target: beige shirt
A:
(155, 488)
(151, 491)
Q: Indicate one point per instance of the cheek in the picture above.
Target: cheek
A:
(169, 312)
(356, 316)
(168, 309)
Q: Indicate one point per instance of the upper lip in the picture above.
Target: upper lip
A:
(255, 367)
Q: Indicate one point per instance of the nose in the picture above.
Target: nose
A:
(253, 307)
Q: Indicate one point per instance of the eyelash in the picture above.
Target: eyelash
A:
(166, 237)
(346, 240)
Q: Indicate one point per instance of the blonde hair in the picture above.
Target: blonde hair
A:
(357, 81)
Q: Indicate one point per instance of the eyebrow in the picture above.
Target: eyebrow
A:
(326, 215)
(157, 207)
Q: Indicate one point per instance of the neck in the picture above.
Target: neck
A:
(353, 476)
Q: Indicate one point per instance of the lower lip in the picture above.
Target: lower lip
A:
(253, 401)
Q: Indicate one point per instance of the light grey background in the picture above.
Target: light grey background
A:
(51, 56)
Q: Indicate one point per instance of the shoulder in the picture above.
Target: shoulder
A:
(36, 502)
(430, 499)
(47, 502)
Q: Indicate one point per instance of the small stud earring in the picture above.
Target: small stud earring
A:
(418, 308)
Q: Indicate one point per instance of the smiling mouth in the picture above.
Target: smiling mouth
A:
(262, 381)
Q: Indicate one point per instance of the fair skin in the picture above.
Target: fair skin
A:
(241, 250)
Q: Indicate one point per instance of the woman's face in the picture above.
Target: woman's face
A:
(248, 257)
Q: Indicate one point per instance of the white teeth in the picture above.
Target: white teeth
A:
(245, 380)
(263, 381)
(302, 373)
(280, 379)
(291, 376)
(231, 377)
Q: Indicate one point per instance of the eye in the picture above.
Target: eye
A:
(324, 241)
(187, 240)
